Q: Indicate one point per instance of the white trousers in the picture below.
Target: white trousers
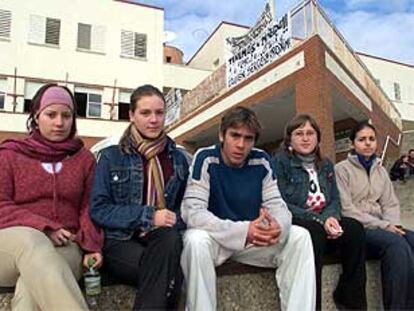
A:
(295, 274)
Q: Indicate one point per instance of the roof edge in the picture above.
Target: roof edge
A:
(211, 35)
(385, 59)
(140, 4)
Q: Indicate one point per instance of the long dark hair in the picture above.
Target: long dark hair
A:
(297, 122)
(31, 123)
(137, 94)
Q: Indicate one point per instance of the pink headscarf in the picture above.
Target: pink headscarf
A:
(38, 147)
(55, 95)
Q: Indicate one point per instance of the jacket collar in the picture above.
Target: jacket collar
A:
(353, 158)
(297, 163)
(171, 146)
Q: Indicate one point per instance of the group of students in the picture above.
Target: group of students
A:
(157, 222)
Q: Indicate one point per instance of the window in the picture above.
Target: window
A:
(44, 30)
(89, 102)
(133, 44)
(397, 91)
(5, 23)
(3, 94)
(123, 105)
(91, 37)
(2, 99)
(30, 90)
(168, 59)
(94, 105)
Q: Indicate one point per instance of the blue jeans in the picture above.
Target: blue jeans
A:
(397, 266)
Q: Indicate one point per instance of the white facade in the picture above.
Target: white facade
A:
(397, 80)
(100, 49)
(212, 53)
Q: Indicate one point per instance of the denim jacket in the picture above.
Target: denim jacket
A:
(293, 182)
(117, 194)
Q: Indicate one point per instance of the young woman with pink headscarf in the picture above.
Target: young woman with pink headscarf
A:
(45, 229)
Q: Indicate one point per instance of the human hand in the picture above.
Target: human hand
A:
(395, 229)
(332, 228)
(164, 218)
(264, 230)
(96, 257)
(273, 226)
(60, 237)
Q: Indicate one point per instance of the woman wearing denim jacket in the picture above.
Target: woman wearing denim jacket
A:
(307, 184)
(136, 198)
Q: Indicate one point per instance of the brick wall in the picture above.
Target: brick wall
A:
(314, 86)
(314, 95)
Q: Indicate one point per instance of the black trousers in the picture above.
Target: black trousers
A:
(152, 264)
(350, 292)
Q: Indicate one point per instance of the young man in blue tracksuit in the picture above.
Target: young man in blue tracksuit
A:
(233, 209)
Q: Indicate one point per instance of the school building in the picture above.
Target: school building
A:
(297, 64)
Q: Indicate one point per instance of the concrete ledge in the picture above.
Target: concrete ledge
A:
(256, 291)
(242, 287)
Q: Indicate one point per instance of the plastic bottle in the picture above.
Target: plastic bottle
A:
(92, 282)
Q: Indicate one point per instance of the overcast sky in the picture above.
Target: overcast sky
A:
(383, 28)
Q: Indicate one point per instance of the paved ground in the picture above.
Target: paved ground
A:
(405, 193)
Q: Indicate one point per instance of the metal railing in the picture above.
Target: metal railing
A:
(397, 143)
(308, 19)
(387, 141)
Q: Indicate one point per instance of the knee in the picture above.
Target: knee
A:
(198, 249)
(197, 241)
(300, 237)
(171, 239)
(31, 243)
(46, 263)
(353, 225)
(353, 230)
(398, 247)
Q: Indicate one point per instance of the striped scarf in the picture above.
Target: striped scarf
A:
(150, 150)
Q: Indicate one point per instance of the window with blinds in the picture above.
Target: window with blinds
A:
(5, 23)
(133, 44)
(44, 30)
(91, 37)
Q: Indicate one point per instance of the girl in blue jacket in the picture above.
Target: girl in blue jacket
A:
(307, 183)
